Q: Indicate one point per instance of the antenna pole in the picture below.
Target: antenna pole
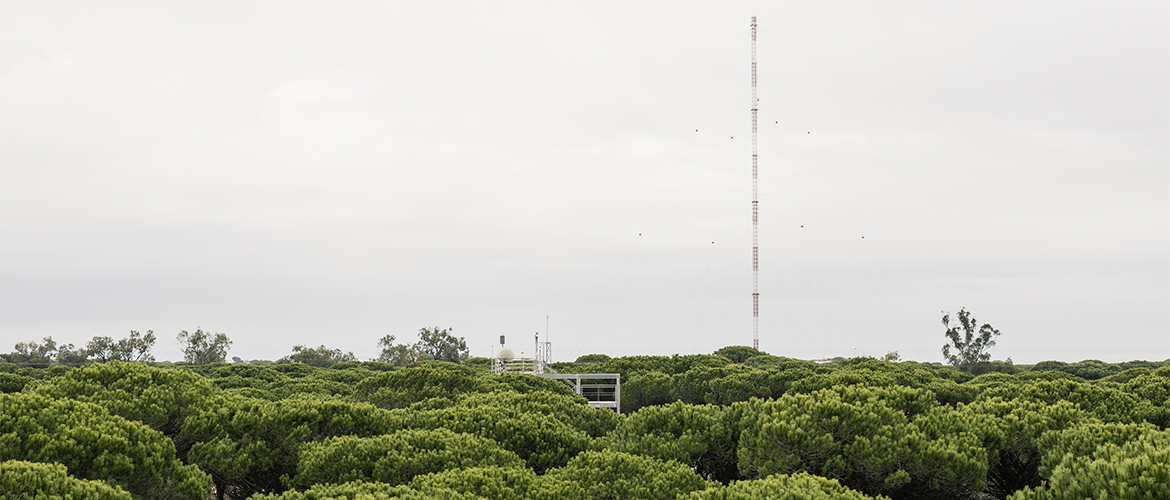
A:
(755, 206)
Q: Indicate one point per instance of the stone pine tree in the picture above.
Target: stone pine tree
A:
(970, 342)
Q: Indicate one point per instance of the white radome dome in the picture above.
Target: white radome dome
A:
(505, 354)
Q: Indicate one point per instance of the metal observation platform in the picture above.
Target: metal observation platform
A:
(602, 390)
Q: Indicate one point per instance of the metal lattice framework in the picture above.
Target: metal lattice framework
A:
(602, 390)
(535, 365)
(755, 205)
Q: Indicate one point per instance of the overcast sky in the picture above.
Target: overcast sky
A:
(332, 172)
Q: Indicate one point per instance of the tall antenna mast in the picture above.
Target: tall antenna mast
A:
(755, 207)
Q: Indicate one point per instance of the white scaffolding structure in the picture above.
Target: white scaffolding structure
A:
(535, 365)
(601, 390)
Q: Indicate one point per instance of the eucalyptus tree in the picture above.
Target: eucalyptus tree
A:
(201, 348)
(136, 347)
(319, 356)
(969, 341)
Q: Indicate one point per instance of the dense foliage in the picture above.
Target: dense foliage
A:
(161, 399)
(736, 424)
(800, 486)
(93, 444)
(1094, 461)
(613, 475)
(396, 458)
(33, 480)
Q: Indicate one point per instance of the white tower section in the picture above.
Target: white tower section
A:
(755, 206)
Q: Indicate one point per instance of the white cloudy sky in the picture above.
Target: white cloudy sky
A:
(330, 172)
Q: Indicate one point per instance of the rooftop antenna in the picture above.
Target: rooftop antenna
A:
(755, 207)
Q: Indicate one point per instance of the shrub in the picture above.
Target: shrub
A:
(500, 483)
(295, 370)
(541, 441)
(248, 444)
(1013, 448)
(672, 365)
(158, 397)
(572, 409)
(20, 479)
(1126, 375)
(396, 458)
(778, 362)
(310, 386)
(238, 382)
(993, 379)
(11, 382)
(950, 393)
(250, 392)
(355, 373)
(592, 358)
(892, 441)
(872, 372)
(1153, 387)
(1136, 469)
(93, 444)
(642, 389)
(526, 384)
(994, 367)
(358, 490)
(1089, 369)
(696, 436)
(1084, 439)
(404, 387)
(252, 372)
(738, 353)
(782, 487)
(1049, 375)
(1106, 403)
(723, 385)
(615, 475)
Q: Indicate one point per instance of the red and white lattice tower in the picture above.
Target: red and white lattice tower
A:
(755, 207)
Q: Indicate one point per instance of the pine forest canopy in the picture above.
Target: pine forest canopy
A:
(739, 423)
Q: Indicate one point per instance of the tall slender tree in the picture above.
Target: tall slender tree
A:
(441, 345)
(201, 348)
(969, 341)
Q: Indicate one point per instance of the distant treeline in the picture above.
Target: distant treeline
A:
(204, 347)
